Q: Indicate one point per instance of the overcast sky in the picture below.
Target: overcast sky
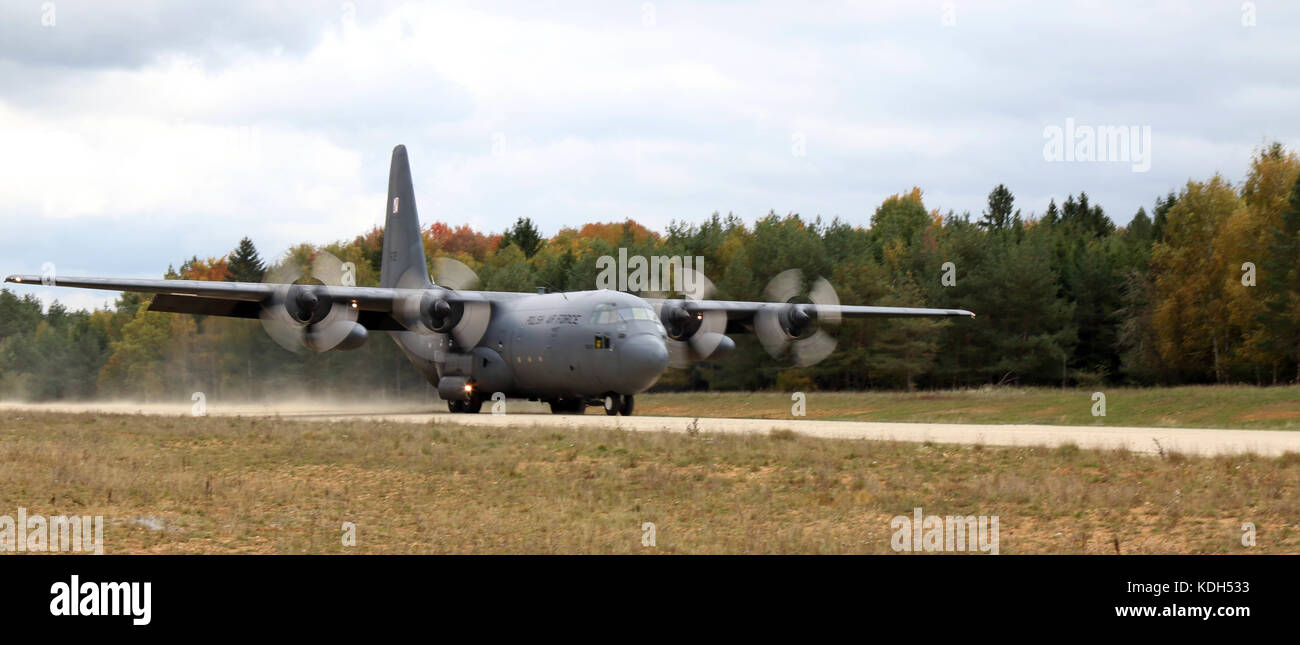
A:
(136, 134)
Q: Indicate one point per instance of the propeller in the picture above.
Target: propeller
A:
(424, 308)
(796, 330)
(454, 274)
(303, 315)
(694, 336)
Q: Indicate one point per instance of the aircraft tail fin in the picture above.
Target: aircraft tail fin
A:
(403, 264)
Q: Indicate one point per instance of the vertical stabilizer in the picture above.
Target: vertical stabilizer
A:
(403, 265)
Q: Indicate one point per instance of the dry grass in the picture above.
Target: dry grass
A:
(220, 485)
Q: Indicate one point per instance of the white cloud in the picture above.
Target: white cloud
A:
(278, 125)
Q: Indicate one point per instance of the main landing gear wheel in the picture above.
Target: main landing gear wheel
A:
(472, 406)
(626, 408)
(613, 402)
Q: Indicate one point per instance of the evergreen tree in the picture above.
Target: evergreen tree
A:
(523, 235)
(1140, 229)
(1053, 214)
(999, 214)
(245, 264)
(1082, 217)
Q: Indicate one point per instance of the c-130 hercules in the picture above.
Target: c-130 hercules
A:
(570, 349)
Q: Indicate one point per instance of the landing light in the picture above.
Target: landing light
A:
(469, 387)
(354, 304)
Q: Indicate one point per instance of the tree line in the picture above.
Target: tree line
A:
(1204, 288)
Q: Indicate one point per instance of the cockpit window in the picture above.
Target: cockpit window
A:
(637, 313)
(604, 314)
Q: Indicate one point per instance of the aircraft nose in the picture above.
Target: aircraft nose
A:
(642, 360)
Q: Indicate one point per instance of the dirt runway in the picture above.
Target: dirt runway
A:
(1200, 441)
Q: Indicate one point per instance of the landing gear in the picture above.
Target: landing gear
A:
(568, 406)
(616, 404)
(472, 406)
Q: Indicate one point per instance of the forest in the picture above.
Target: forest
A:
(1202, 288)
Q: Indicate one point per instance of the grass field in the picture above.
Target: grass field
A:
(1274, 408)
(244, 485)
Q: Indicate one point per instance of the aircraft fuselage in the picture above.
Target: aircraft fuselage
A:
(577, 346)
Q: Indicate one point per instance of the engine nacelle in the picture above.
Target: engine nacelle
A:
(454, 388)
(354, 336)
(723, 349)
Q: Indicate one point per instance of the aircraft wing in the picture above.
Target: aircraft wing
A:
(743, 311)
(243, 299)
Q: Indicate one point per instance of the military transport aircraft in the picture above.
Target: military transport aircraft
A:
(569, 349)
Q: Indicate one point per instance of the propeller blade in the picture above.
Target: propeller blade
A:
(473, 323)
(767, 326)
(813, 349)
(324, 333)
(454, 274)
(409, 309)
(277, 322)
(703, 344)
(823, 295)
(411, 286)
(338, 323)
(784, 286)
(777, 325)
(704, 341)
(286, 273)
(280, 326)
(679, 354)
(707, 338)
(696, 285)
(330, 270)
